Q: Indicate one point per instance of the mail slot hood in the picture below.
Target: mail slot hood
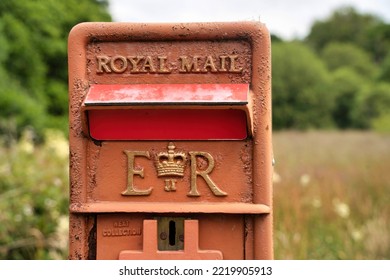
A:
(167, 111)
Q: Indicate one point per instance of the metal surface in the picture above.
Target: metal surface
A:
(161, 94)
(117, 186)
(173, 124)
(170, 232)
(191, 248)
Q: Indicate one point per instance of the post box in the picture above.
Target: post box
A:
(170, 141)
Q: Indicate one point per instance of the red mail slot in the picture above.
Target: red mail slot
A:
(178, 124)
(135, 122)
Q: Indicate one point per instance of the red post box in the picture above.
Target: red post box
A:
(170, 141)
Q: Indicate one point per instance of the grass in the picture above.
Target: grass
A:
(331, 195)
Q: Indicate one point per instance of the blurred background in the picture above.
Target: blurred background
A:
(331, 122)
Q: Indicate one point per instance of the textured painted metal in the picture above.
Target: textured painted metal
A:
(167, 94)
(162, 123)
(106, 220)
(191, 247)
(174, 124)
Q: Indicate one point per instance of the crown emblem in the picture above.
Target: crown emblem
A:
(171, 163)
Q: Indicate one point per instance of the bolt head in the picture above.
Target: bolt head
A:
(163, 236)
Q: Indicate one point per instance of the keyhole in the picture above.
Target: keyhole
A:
(172, 233)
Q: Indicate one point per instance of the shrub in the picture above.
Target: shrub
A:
(34, 198)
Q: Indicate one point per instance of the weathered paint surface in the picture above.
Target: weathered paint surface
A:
(163, 94)
(225, 184)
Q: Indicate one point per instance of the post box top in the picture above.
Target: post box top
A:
(117, 31)
(134, 94)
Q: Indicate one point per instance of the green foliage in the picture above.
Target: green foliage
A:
(34, 97)
(308, 95)
(301, 95)
(378, 42)
(345, 25)
(23, 62)
(18, 109)
(346, 84)
(385, 70)
(33, 204)
(33, 57)
(339, 55)
(373, 102)
(381, 123)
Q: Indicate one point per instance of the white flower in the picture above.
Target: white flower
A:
(276, 178)
(357, 235)
(56, 142)
(305, 180)
(316, 203)
(341, 208)
(26, 143)
(28, 210)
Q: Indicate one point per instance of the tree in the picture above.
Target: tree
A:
(346, 85)
(373, 102)
(300, 88)
(384, 74)
(378, 42)
(340, 55)
(355, 48)
(348, 26)
(34, 57)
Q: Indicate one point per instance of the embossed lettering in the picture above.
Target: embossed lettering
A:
(102, 64)
(162, 63)
(233, 68)
(170, 185)
(134, 60)
(118, 64)
(172, 163)
(223, 63)
(204, 174)
(189, 65)
(148, 64)
(108, 232)
(159, 64)
(131, 172)
(121, 223)
(209, 63)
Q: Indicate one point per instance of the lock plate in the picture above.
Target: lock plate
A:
(170, 233)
